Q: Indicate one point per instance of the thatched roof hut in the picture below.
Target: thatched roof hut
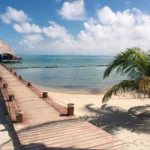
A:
(5, 49)
(6, 54)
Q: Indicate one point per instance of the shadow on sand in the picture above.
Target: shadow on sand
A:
(112, 119)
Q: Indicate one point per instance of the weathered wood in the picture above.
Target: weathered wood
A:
(1, 78)
(29, 84)
(11, 97)
(70, 109)
(45, 95)
(19, 116)
(5, 85)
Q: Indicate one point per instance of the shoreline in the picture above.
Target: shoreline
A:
(71, 91)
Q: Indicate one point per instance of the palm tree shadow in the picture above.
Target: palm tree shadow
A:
(113, 119)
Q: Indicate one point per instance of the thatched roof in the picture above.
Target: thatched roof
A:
(5, 49)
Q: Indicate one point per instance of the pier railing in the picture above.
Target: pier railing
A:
(16, 115)
(63, 108)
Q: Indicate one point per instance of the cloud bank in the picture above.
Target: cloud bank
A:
(106, 34)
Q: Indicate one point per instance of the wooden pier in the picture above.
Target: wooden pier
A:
(41, 124)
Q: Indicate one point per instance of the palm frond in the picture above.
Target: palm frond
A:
(144, 85)
(123, 86)
(129, 62)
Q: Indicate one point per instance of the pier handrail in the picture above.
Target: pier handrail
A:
(14, 112)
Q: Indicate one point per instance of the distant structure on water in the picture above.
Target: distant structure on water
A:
(7, 55)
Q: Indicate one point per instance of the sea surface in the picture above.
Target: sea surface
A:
(75, 74)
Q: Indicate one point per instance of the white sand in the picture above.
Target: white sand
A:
(132, 131)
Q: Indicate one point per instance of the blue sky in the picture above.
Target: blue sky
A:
(88, 27)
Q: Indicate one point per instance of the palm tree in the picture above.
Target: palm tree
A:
(136, 65)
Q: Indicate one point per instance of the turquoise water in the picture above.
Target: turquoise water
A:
(61, 61)
(73, 73)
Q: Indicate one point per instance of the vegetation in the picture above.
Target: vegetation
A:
(136, 65)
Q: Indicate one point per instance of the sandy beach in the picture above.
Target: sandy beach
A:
(112, 117)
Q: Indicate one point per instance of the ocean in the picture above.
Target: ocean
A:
(74, 74)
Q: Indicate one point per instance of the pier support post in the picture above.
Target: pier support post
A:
(70, 109)
(15, 73)
(45, 95)
(20, 77)
(5, 85)
(19, 116)
(11, 97)
(29, 84)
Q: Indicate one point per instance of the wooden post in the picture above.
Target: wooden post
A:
(1, 78)
(29, 84)
(5, 85)
(15, 73)
(20, 77)
(70, 110)
(10, 70)
(19, 116)
(11, 97)
(45, 95)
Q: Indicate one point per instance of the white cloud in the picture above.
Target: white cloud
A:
(32, 40)
(73, 10)
(110, 33)
(56, 31)
(20, 21)
(12, 14)
(116, 31)
(59, 40)
(34, 37)
(108, 17)
(26, 27)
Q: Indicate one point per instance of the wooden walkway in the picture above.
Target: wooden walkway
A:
(44, 127)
